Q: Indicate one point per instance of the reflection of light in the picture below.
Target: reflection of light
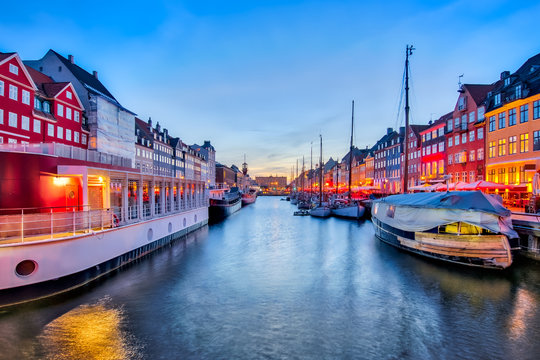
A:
(87, 332)
(60, 181)
(524, 308)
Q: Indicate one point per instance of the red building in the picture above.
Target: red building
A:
(434, 150)
(35, 109)
(414, 151)
(465, 135)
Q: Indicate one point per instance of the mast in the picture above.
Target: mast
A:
(351, 152)
(296, 179)
(320, 175)
(302, 176)
(311, 173)
(408, 52)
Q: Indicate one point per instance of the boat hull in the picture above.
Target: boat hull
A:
(486, 251)
(64, 264)
(219, 211)
(322, 212)
(248, 199)
(349, 212)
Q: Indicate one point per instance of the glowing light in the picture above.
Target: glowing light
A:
(60, 181)
(100, 179)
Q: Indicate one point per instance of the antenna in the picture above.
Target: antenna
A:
(459, 83)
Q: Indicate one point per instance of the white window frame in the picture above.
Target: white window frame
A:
(25, 98)
(76, 115)
(12, 119)
(25, 123)
(37, 126)
(50, 130)
(68, 94)
(1, 88)
(68, 134)
(59, 132)
(60, 110)
(68, 113)
(1, 116)
(14, 69)
(76, 136)
(13, 90)
(84, 139)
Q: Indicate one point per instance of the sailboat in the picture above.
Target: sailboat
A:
(463, 227)
(350, 209)
(320, 210)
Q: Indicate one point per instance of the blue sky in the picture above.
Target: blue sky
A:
(265, 78)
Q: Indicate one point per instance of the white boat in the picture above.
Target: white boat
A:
(349, 209)
(321, 210)
(464, 227)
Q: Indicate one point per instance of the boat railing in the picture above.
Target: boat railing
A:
(69, 152)
(33, 224)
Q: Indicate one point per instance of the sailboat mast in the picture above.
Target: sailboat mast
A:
(320, 176)
(408, 52)
(351, 152)
(311, 173)
(302, 175)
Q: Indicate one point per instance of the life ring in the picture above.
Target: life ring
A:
(116, 221)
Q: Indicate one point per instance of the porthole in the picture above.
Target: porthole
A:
(150, 234)
(26, 268)
(184, 221)
(170, 227)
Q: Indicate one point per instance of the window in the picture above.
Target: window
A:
(37, 103)
(464, 138)
(462, 102)
(491, 149)
(536, 109)
(536, 140)
(464, 176)
(481, 113)
(456, 140)
(76, 115)
(518, 92)
(471, 176)
(441, 167)
(68, 94)
(512, 117)
(502, 147)
(498, 99)
(502, 176)
(37, 126)
(26, 97)
(492, 123)
(68, 113)
(1, 88)
(1, 140)
(464, 122)
(428, 150)
(13, 69)
(83, 139)
(449, 125)
(12, 119)
(423, 151)
(46, 107)
(472, 154)
(524, 143)
(12, 141)
(59, 132)
(60, 110)
(524, 113)
(50, 130)
(13, 92)
(428, 136)
(450, 157)
(456, 176)
(1, 116)
(471, 135)
(25, 123)
(433, 148)
(456, 158)
(76, 136)
(502, 120)
(491, 175)
(512, 145)
(450, 141)
(480, 153)
(512, 175)
(68, 135)
(456, 123)
(472, 116)
(441, 146)
(441, 131)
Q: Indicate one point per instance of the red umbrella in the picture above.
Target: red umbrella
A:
(485, 185)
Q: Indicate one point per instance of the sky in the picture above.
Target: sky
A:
(265, 78)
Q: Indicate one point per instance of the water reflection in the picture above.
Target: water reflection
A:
(88, 332)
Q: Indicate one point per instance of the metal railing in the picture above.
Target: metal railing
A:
(30, 224)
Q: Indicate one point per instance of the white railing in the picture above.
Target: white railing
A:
(31, 224)
(70, 152)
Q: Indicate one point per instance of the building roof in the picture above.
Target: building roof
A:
(417, 129)
(478, 91)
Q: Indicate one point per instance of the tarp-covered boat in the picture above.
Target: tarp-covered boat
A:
(466, 227)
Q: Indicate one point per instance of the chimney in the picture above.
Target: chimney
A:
(389, 131)
(150, 122)
(158, 128)
(95, 74)
(71, 59)
(165, 133)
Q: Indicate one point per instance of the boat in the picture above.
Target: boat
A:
(249, 193)
(249, 197)
(464, 227)
(322, 210)
(349, 209)
(224, 201)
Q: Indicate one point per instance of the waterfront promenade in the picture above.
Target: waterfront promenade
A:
(267, 284)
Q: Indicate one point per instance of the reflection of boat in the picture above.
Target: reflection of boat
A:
(224, 202)
(465, 227)
(349, 209)
(320, 210)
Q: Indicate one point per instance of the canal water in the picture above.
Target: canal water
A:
(265, 284)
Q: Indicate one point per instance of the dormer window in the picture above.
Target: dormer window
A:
(518, 92)
(46, 107)
(37, 103)
(497, 99)
(13, 69)
(507, 81)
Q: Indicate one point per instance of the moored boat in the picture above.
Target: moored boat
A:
(250, 197)
(464, 227)
(224, 202)
(321, 210)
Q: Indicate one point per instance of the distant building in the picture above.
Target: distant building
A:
(208, 151)
(144, 148)
(274, 183)
(225, 175)
(434, 150)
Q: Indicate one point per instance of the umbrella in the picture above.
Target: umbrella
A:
(485, 185)
(461, 185)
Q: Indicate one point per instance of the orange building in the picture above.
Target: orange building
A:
(513, 126)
